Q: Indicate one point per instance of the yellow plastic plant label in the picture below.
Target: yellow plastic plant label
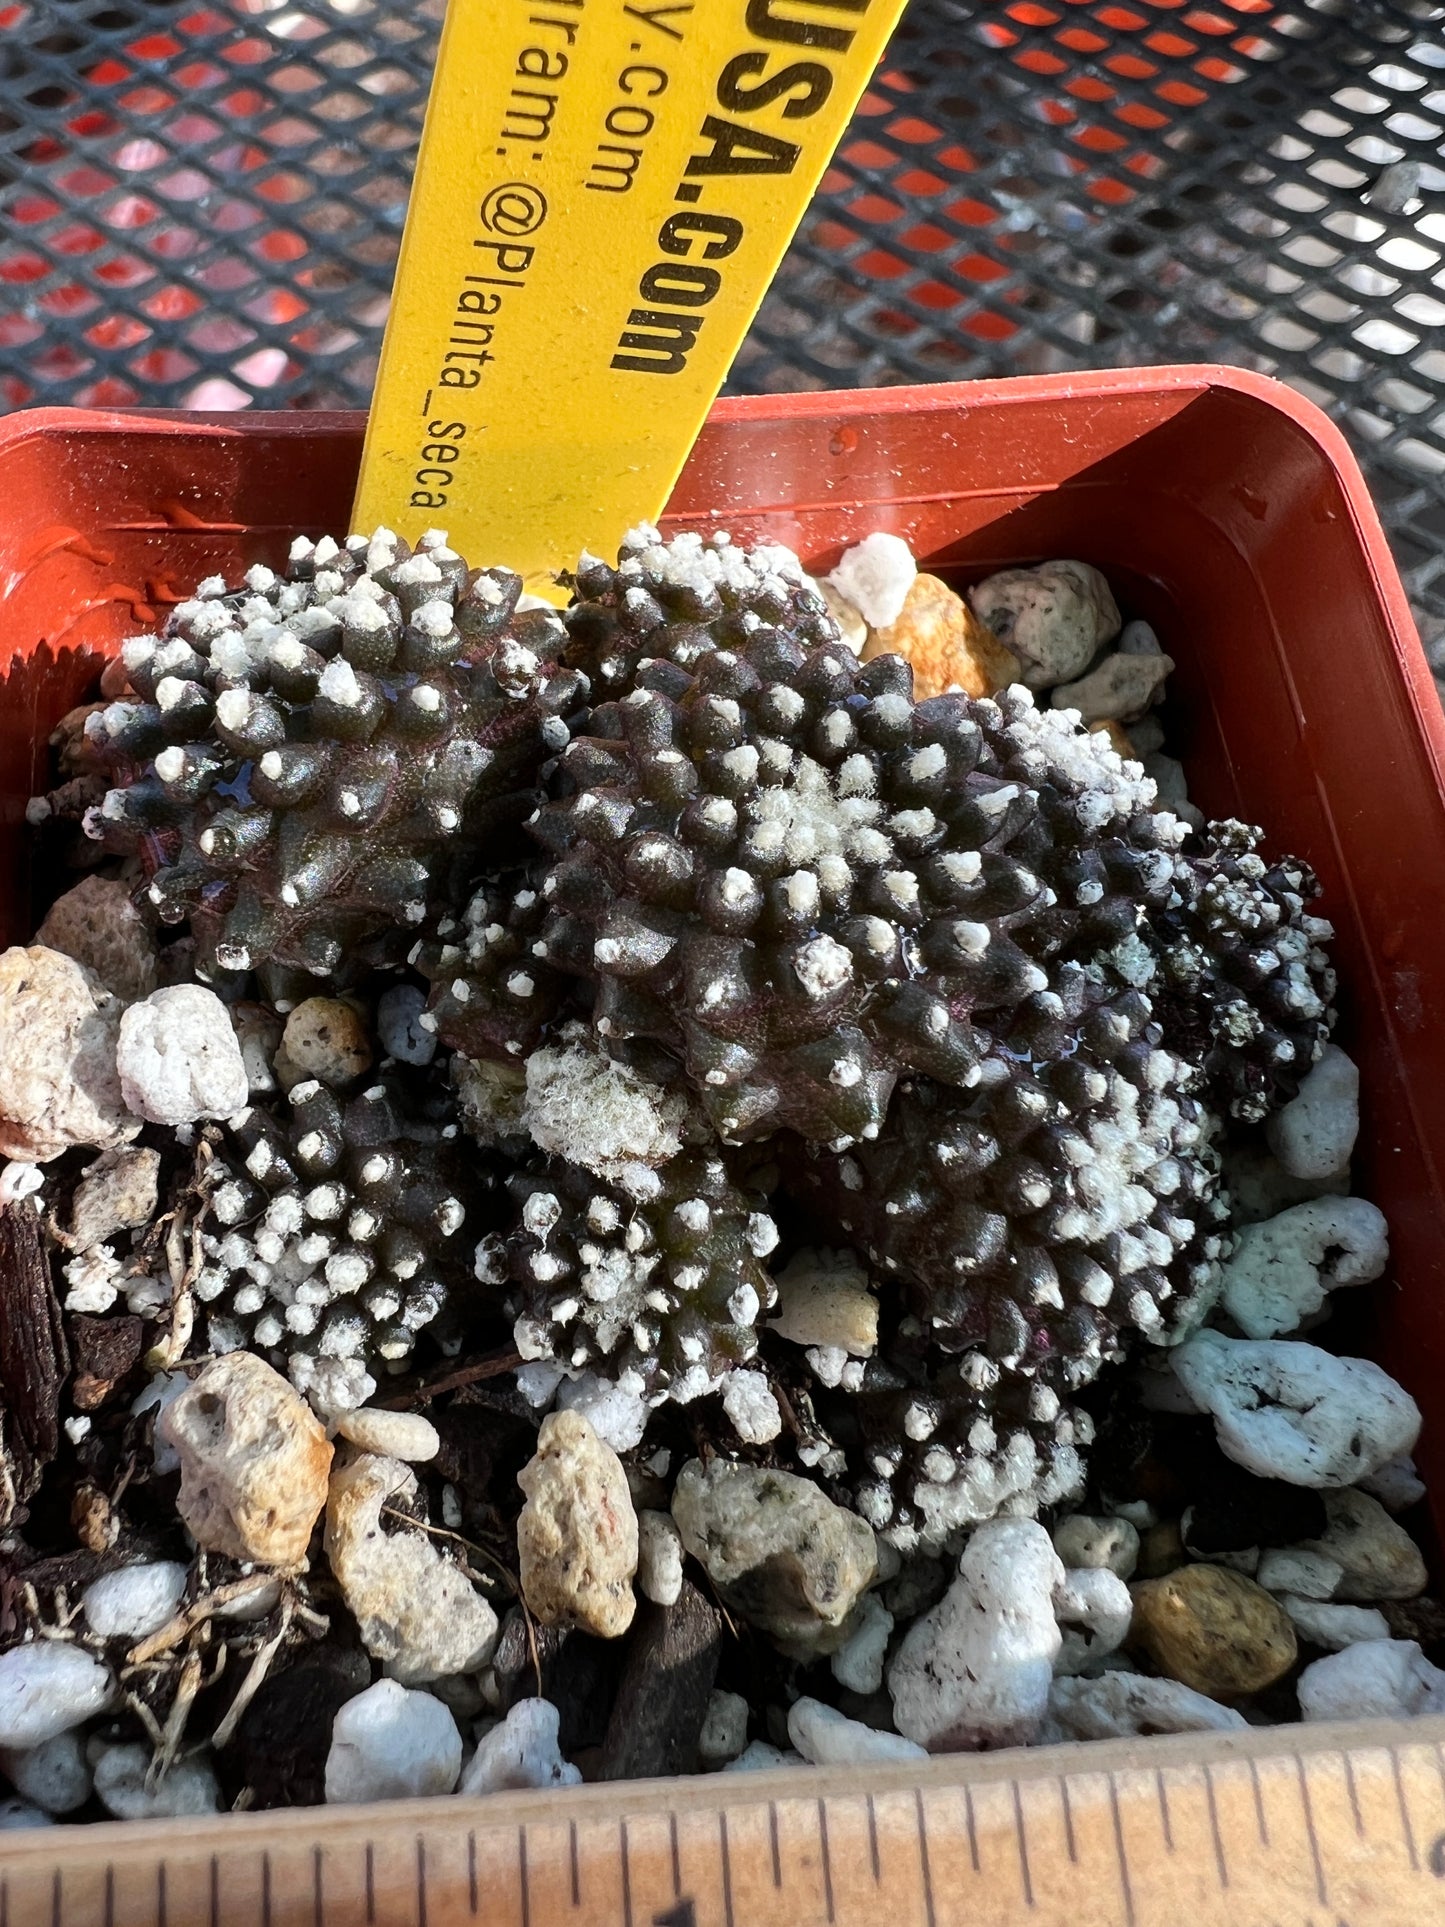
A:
(603, 193)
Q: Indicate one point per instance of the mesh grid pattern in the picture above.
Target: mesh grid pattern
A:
(200, 206)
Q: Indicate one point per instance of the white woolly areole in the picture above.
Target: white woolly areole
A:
(582, 1107)
(339, 685)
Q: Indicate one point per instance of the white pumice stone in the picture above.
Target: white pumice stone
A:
(399, 1027)
(1281, 1271)
(875, 576)
(748, 1401)
(826, 1737)
(1314, 1134)
(1396, 1484)
(1312, 1575)
(16, 1815)
(1081, 1539)
(858, 1663)
(121, 1785)
(1375, 1679)
(134, 1601)
(54, 1775)
(975, 1670)
(1331, 1625)
(1378, 1557)
(392, 1743)
(1095, 1606)
(179, 1059)
(1119, 1705)
(398, 1435)
(617, 1415)
(659, 1558)
(520, 1751)
(759, 1757)
(1290, 1411)
(46, 1688)
(724, 1731)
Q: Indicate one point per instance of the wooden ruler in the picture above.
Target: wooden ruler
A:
(1286, 1827)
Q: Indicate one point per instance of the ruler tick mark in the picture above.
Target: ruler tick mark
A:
(873, 1841)
(1404, 1811)
(972, 1832)
(1354, 1795)
(4, 1902)
(265, 1890)
(727, 1870)
(827, 1858)
(318, 1889)
(370, 1882)
(160, 1895)
(923, 1853)
(57, 1903)
(216, 1891)
(1164, 1808)
(576, 1872)
(773, 1843)
(626, 1878)
(420, 1882)
(522, 1869)
(676, 1857)
(1023, 1846)
(1121, 1856)
(1309, 1812)
(472, 1870)
(109, 1895)
(1259, 1818)
(1219, 1860)
(1068, 1821)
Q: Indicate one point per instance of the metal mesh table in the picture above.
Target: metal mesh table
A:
(200, 206)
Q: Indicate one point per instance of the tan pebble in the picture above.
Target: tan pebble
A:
(254, 1461)
(1116, 736)
(325, 1038)
(577, 1533)
(59, 1025)
(115, 680)
(945, 642)
(414, 1606)
(99, 925)
(1213, 1630)
(1379, 1558)
(396, 1435)
(823, 1299)
(116, 1193)
(777, 1549)
(1121, 689)
(76, 754)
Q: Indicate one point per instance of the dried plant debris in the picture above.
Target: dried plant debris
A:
(632, 1188)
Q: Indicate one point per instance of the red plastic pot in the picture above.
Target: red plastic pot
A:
(1222, 507)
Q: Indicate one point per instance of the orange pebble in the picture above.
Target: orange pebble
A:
(947, 645)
